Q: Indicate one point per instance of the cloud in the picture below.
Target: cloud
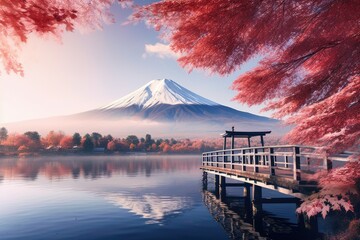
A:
(160, 50)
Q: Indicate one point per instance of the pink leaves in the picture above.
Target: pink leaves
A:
(337, 187)
(322, 204)
(343, 177)
(20, 18)
(310, 49)
(325, 210)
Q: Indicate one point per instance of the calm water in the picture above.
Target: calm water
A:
(127, 197)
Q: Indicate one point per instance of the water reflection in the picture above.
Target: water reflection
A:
(242, 219)
(136, 190)
(90, 167)
(151, 207)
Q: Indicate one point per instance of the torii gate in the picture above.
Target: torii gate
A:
(232, 134)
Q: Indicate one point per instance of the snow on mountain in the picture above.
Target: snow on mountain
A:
(164, 100)
(159, 91)
(161, 107)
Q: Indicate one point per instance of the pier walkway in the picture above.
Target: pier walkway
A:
(288, 169)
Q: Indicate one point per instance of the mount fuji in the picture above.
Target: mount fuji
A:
(163, 100)
(161, 107)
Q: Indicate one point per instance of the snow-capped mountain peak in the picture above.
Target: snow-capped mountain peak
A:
(159, 91)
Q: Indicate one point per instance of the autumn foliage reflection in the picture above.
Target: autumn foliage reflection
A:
(88, 167)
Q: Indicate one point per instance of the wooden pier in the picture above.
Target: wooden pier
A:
(288, 169)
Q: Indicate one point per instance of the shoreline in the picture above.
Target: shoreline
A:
(55, 154)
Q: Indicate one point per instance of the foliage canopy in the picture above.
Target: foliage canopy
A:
(309, 72)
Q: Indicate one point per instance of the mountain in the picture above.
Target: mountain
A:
(162, 108)
(163, 100)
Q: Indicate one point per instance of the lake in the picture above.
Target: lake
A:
(130, 197)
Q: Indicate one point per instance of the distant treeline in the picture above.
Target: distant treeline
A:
(32, 141)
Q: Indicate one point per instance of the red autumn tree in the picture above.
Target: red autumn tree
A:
(66, 142)
(308, 74)
(310, 57)
(112, 145)
(22, 142)
(53, 138)
(19, 19)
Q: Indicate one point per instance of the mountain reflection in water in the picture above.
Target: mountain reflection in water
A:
(151, 207)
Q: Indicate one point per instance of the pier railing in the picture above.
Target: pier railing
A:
(290, 161)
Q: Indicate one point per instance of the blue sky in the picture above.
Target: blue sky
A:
(89, 70)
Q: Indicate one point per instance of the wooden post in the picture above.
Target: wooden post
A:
(272, 162)
(232, 160)
(224, 147)
(263, 157)
(286, 161)
(247, 203)
(327, 163)
(296, 164)
(256, 161)
(222, 182)
(257, 208)
(216, 158)
(249, 142)
(256, 194)
(243, 161)
(232, 151)
(222, 187)
(262, 140)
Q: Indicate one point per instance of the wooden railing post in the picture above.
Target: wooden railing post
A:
(286, 161)
(327, 163)
(225, 159)
(272, 162)
(243, 161)
(296, 164)
(216, 158)
(232, 159)
(265, 159)
(256, 161)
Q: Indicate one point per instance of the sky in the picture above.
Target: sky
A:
(89, 70)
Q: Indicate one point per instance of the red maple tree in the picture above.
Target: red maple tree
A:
(19, 19)
(309, 72)
(308, 75)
